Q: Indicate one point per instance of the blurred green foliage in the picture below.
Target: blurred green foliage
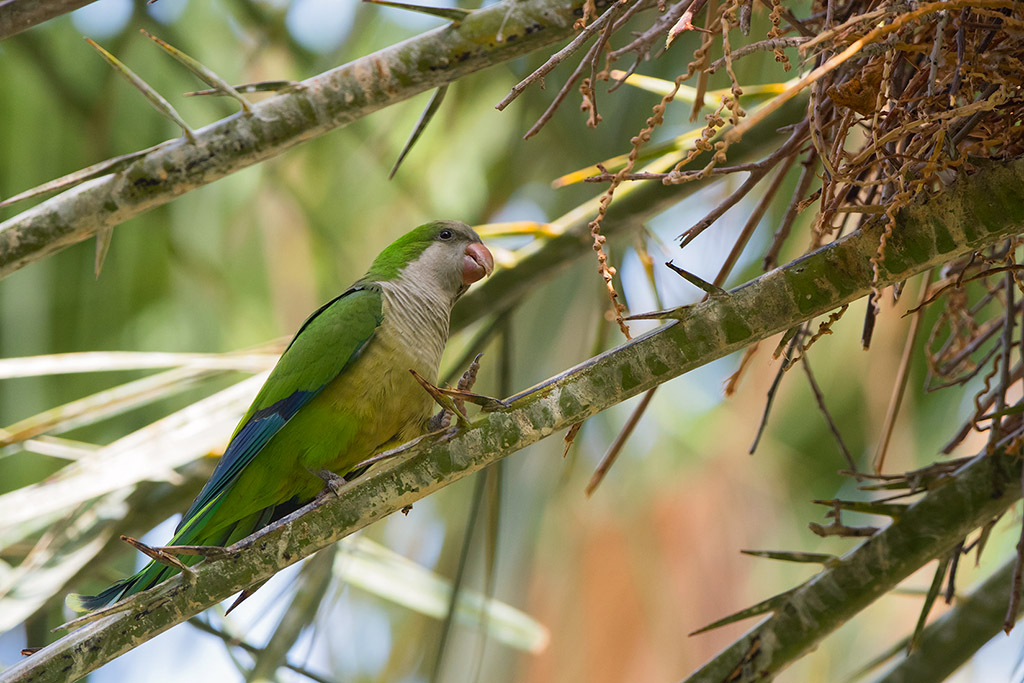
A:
(619, 578)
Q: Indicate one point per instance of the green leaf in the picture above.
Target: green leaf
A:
(383, 572)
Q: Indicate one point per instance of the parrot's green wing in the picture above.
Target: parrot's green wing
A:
(327, 343)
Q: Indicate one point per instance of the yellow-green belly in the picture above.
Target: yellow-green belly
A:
(375, 404)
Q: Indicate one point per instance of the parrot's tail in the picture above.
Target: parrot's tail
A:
(87, 603)
(190, 532)
(150, 575)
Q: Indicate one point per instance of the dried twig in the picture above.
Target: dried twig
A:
(757, 172)
(613, 451)
(642, 44)
(819, 398)
(586, 34)
(760, 46)
(900, 384)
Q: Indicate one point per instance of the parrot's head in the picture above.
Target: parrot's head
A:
(448, 254)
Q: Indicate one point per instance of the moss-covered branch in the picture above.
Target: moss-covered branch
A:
(934, 524)
(930, 527)
(335, 98)
(978, 211)
(19, 15)
(955, 636)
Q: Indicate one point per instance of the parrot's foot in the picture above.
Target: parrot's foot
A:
(453, 402)
(441, 398)
(440, 420)
(462, 392)
(332, 482)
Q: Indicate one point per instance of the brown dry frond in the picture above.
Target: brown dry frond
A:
(901, 101)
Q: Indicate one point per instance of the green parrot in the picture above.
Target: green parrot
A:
(341, 392)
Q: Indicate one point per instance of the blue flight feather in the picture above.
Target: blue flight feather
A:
(248, 441)
(263, 423)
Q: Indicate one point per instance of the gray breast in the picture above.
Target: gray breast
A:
(417, 320)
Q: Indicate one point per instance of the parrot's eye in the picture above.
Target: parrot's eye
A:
(445, 234)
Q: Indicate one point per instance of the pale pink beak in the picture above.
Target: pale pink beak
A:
(476, 264)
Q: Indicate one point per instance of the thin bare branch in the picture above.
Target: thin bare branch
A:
(554, 60)
(320, 104)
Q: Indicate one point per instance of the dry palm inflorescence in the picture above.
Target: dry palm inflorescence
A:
(901, 99)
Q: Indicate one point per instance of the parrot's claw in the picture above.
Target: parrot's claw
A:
(332, 482)
(453, 401)
(442, 399)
